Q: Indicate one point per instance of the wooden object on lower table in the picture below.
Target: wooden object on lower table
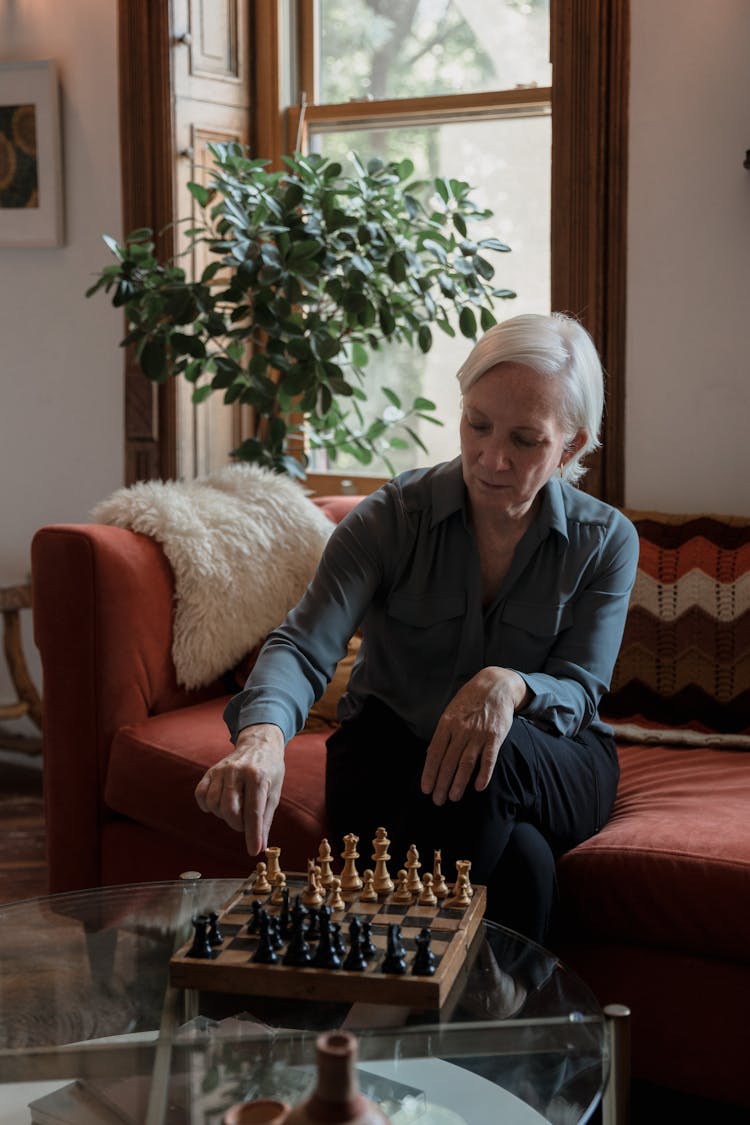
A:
(12, 600)
(232, 969)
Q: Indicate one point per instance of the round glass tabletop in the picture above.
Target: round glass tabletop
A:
(88, 1018)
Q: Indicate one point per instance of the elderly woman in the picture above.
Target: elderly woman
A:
(491, 596)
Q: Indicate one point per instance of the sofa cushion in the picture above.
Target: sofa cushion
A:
(685, 655)
(671, 869)
(155, 765)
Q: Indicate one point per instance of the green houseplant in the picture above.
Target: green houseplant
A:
(310, 270)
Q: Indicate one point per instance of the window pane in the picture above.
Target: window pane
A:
(400, 49)
(507, 162)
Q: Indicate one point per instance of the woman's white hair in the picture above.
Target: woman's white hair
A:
(558, 346)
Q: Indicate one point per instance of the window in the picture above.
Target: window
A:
(466, 82)
(462, 96)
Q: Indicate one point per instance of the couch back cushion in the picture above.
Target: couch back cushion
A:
(685, 654)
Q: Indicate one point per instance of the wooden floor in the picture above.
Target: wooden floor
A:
(23, 870)
(23, 875)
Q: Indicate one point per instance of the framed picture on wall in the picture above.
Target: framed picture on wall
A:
(31, 206)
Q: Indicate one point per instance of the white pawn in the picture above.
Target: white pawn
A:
(368, 892)
(261, 885)
(428, 896)
(335, 897)
(460, 896)
(279, 885)
(402, 892)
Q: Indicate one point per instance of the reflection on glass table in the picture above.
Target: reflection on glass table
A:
(90, 1028)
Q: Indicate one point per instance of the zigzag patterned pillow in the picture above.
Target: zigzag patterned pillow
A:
(684, 663)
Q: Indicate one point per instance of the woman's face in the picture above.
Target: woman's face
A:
(512, 438)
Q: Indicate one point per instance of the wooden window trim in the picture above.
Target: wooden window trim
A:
(589, 186)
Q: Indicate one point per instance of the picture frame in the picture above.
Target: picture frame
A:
(31, 203)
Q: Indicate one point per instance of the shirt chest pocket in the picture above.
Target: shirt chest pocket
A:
(428, 611)
(542, 621)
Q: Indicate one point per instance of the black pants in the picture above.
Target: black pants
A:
(547, 794)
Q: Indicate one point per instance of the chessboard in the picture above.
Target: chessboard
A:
(416, 949)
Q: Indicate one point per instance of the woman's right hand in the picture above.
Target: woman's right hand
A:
(244, 788)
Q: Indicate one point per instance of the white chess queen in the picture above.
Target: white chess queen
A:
(491, 596)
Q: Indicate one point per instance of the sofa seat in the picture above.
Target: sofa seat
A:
(671, 868)
(169, 753)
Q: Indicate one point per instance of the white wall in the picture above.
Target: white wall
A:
(688, 350)
(61, 399)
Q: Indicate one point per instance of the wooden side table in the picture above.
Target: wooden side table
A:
(28, 702)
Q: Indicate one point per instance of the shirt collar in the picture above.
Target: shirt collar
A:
(448, 491)
(449, 496)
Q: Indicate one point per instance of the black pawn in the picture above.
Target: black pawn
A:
(265, 954)
(336, 939)
(355, 959)
(284, 916)
(253, 925)
(298, 951)
(326, 956)
(369, 948)
(394, 960)
(274, 932)
(423, 964)
(313, 924)
(215, 936)
(201, 947)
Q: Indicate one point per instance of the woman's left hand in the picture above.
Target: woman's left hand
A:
(471, 730)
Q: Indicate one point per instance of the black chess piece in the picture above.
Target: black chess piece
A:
(215, 936)
(284, 914)
(275, 938)
(201, 947)
(355, 960)
(423, 964)
(336, 939)
(298, 951)
(394, 960)
(312, 932)
(253, 925)
(265, 954)
(369, 948)
(326, 956)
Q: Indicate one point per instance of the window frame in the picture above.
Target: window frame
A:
(589, 96)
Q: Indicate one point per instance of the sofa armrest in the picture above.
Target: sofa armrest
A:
(102, 604)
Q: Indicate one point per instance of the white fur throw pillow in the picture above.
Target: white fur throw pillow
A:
(243, 544)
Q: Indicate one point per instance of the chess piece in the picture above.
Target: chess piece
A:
(201, 947)
(369, 948)
(215, 936)
(261, 885)
(402, 894)
(254, 924)
(298, 951)
(326, 956)
(382, 881)
(368, 892)
(350, 880)
(274, 869)
(284, 914)
(394, 960)
(337, 1096)
(311, 895)
(355, 960)
(439, 885)
(424, 959)
(414, 883)
(265, 954)
(279, 886)
(260, 1111)
(463, 867)
(335, 898)
(428, 896)
(324, 862)
(460, 897)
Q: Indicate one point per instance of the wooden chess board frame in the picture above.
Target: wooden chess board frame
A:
(233, 971)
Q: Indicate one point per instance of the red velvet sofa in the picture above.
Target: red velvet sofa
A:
(655, 910)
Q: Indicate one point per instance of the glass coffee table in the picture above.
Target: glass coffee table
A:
(92, 1031)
